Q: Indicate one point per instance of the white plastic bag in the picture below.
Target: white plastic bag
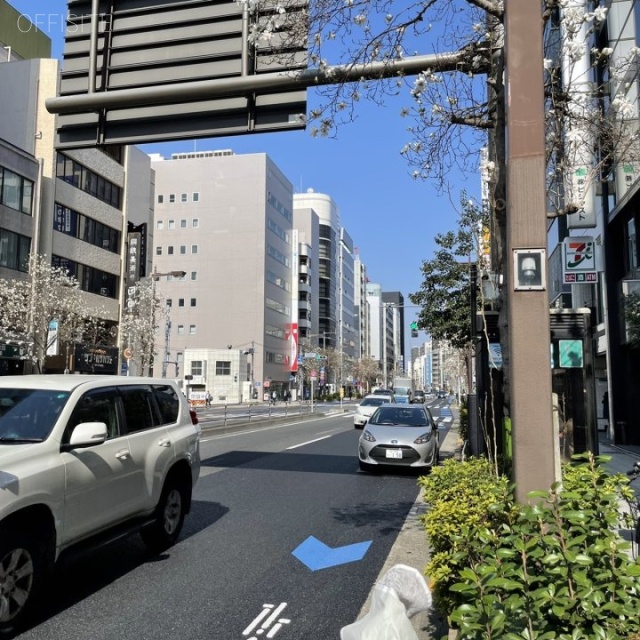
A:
(400, 594)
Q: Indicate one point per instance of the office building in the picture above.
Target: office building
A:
(226, 222)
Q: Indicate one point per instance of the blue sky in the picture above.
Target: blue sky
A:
(391, 217)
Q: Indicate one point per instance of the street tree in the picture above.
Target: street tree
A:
(445, 294)
(46, 296)
(146, 310)
(366, 371)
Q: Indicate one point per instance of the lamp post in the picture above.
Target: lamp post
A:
(167, 325)
(251, 352)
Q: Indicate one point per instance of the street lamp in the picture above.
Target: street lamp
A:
(251, 352)
(167, 325)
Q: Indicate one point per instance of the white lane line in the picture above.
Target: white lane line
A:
(271, 619)
(266, 428)
(295, 446)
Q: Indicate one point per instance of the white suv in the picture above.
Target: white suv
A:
(87, 459)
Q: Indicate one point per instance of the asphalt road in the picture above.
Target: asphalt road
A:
(246, 564)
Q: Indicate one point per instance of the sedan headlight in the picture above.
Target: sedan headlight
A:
(368, 436)
(423, 439)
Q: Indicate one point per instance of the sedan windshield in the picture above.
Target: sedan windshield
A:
(400, 416)
(28, 415)
(373, 402)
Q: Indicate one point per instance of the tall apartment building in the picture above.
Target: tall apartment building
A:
(360, 306)
(328, 252)
(395, 301)
(226, 221)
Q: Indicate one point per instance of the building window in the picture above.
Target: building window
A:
(183, 249)
(170, 250)
(194, 248)
(169, 302)
(160, 198)
(183, 197)
(183, 224)
(160, 225)
(14, 251)
(90, 279)
(172, 224)
(195, 223)
(192, 329)
(180, 329)
(181, 302)
(82, 178)
(196, 367)
(158, 251)
(172, 198)
(193, 302)
(223, 367)
(16, 192)
(195, 196)
(77, 225)
(194, 275)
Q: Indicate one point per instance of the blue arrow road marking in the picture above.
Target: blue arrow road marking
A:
(317, 555)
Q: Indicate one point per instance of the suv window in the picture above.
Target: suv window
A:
(168, 403)
(139, 409)
(29, 413)
(95, 406)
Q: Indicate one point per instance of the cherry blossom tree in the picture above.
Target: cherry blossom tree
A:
(139, 325)
(45, 295)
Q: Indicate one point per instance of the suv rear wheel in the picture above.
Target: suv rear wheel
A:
(22, 575)
(169, 517)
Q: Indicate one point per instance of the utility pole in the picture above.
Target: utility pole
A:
(528, 306)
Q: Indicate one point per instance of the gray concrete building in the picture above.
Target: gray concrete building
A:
(225, 220)
(83, 202)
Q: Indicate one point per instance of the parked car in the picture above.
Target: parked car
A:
(418, 397)
(366, 408)
(399, 435)
(85, 460)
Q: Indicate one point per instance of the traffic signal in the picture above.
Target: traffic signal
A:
(414, 329)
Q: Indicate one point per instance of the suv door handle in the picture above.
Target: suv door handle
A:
(123, 454)
(164, 442)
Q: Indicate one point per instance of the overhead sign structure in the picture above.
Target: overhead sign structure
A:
(169, 48)
(579, 260)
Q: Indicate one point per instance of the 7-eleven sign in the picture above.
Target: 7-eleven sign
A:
(579, 261)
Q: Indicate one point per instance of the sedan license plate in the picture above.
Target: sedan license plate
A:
(394, 453)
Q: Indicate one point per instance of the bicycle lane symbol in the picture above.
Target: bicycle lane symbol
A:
(265, 621)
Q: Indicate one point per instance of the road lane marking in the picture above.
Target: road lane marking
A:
(295, 446)
(316, 555)
(265, 428)
(271, 614)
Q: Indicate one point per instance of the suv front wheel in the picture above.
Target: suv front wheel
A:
(22, 575)
(169, 517)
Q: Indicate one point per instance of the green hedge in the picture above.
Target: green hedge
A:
(556, 569)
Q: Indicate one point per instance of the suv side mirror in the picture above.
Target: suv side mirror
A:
(86, 434)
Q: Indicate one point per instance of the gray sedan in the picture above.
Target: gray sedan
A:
(399, 435)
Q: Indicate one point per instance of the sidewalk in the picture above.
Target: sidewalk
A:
(412, 547)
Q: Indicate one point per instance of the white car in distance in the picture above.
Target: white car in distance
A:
(367, 407)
